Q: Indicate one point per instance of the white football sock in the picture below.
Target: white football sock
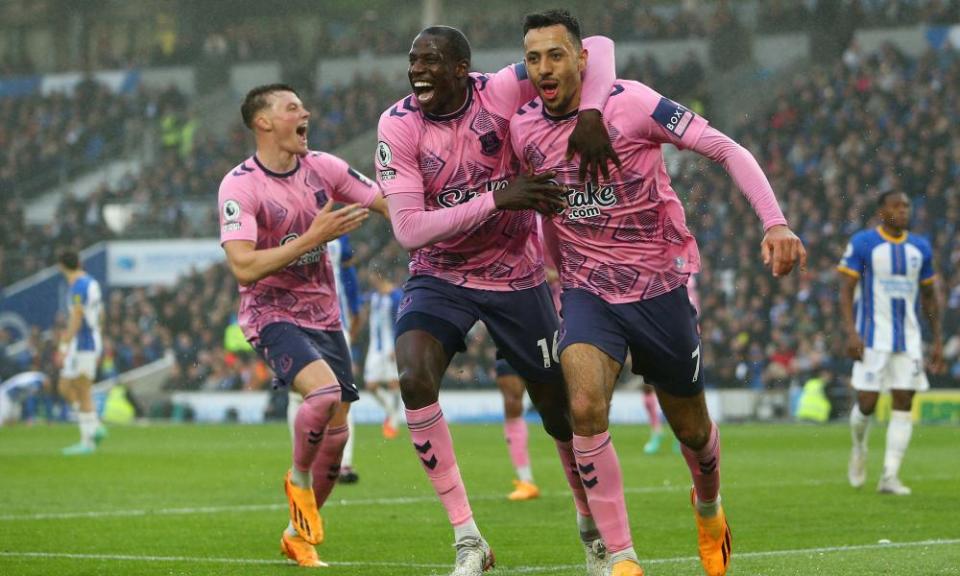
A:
(898, 438)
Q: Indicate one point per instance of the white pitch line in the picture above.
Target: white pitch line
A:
(503, 570)
(397, 501)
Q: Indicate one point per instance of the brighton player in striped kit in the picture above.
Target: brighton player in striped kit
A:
(883, 271)
(380, 376)
(80, 348)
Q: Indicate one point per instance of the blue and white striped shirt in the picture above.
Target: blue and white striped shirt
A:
(890, 271)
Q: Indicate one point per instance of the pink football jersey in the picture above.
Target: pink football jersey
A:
(271, 209)
(625, 240)
(451, 165)
(453, 159)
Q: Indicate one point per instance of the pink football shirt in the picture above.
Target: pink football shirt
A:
(627, 240)
(452, 163)
(272, 209)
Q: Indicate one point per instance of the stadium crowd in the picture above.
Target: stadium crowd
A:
(833, 140)
(360, 30)
(169, 198)
(50, 137)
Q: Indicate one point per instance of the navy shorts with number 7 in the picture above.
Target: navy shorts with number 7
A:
(661, 334)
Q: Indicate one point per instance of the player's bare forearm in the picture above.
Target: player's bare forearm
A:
(73, 324)
(931, 309)
(250, 265)
(848, 286)
(354, 327)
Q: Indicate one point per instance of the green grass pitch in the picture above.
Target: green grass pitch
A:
(185, 500)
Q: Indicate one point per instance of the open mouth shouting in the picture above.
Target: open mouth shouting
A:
(423, 91)
(302, 132)
(549, 89)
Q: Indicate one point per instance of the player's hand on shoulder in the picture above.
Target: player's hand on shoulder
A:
(781, 250)
(531, 192)
(591, 141)
(330, 224)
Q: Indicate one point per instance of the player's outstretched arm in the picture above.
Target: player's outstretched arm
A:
(250, 265)
(930, 304)
(781, 249)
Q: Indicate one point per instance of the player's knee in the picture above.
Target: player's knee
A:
(902, 402)
(512, 407)
(418, 388)
(692, 435)
(589, 417)
(867, 405)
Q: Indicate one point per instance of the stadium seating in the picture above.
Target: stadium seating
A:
(830, 142)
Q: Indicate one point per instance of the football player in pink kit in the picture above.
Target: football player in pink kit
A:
(459, 206)
(276, 216)
(625, 255)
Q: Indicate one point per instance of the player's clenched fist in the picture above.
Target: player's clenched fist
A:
(781, 250)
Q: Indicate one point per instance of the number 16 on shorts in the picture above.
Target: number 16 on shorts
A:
(549, 353)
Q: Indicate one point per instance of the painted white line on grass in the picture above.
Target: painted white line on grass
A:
(503, 570)
(397, 501)
(196, 560)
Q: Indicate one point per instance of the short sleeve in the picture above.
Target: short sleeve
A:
(927, 272)
(238, 209)
(852, 262)
(78, 293)
(398, 170)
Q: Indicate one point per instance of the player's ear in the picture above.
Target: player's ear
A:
(582, 59)
(463, 69)
(262, 122)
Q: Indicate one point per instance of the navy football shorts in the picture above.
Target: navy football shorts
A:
(660, 333)
(523, 323)
(288, 348)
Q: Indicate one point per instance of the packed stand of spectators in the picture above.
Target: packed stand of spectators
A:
(683, 81)
(831, 143)
(47, 138)
(191, 319)
(170, 198)
(373, 32)
(368, 31)
(834, 141)
(792, 16)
